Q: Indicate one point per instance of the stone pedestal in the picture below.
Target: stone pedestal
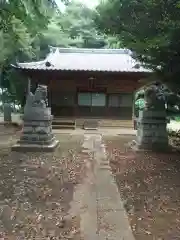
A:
(7, 113)
(37, 131)
(151, 132)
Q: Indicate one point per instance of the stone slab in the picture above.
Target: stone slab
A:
(112, 219)
(152, 121)
(88, 213)
(89, 128)
(152, 113)
(90, 125)
(35, 147)
(141, 148)
(113, 225)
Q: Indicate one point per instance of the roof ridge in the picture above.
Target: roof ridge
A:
(90, 50)
(78, 59)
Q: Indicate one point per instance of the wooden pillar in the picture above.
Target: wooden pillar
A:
(27, 91)
(133, 105)
(76, 106)
(49, 94)
(29, 86)
(33, 86)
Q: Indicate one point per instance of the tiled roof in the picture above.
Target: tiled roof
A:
(79, 59)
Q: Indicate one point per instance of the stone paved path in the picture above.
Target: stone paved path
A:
(103, 216)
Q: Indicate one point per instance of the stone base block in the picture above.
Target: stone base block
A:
(31, 141)
(134, 145)
(35, 147)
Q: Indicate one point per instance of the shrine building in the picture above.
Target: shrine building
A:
(87, 83)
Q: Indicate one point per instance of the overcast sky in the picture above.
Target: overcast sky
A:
(89, 3)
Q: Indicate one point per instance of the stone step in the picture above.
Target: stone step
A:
(63, 124)
(116, 123)
(91, 125)
(63, 127)
(62, 121)
(107, 123)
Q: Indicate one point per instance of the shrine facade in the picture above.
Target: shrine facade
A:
(93, 83)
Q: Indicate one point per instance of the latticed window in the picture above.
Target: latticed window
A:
(92, 99)
(120, 100)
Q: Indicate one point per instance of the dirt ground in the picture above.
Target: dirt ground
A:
(149, 184)
(36, 190)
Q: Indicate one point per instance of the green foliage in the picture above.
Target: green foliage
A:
(20, 25)
(113, 42)
(29, 27)
(75, 27)
(20, 22)
(151, 29)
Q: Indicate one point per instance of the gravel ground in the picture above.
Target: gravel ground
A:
(149, 185)
(36, 191)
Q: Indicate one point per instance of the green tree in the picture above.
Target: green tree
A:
(113, 42)
(75, 27)
(151, 29)
(28, 28)
(20, 22)
(20, 25)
